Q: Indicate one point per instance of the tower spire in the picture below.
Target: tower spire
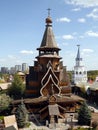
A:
(78, 54)
(78, 58)
(80, 73)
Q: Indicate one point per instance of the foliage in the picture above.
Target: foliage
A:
(70, 73)
(22, 115)
(92, 74)
(1, 117)
(4, 78)
(84, 115)
(4, 102)
(17, 88)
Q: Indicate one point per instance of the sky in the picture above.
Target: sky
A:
(22, 25)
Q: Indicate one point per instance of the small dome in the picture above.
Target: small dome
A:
(48, 20)
(20, 73)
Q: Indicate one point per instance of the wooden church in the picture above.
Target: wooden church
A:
(48, 92)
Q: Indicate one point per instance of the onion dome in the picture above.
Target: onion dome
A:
(48, 20)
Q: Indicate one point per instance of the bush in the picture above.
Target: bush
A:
(17, 88)
(5, 101)
(22, 115)
(84, 115)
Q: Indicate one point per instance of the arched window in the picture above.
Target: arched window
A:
(80, 72)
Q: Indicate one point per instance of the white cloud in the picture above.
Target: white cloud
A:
(65, 44)
(81, 36)
(63, 19)
(91, 33)
(81, 20)
(88, 50)
(76, 9)
(83, 3)
(93, 14)
(11, 57)
(67, 37)
(27, 52)
(2, 60)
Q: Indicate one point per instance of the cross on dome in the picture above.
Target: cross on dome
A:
(49, 12)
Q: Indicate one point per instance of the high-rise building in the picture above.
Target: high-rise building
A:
(24, 67)
(17, 68)
(12, 70)
(4, 70)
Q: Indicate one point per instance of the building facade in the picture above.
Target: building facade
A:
(48, 94)
(24, 67)
(80, 72)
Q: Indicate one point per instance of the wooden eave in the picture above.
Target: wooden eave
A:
(49, 56)
(31, 100)
(45, 48)
(69, 99)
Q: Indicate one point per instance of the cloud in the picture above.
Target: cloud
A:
(65, 44)
(91, 33)
(81, 36)
(83, 3)
(67, 37)
(63, 19)
(2, 60)
(76, 9)
(93, 14)
(27, 52)
(81, 20)
(88, 50)
(11, 57)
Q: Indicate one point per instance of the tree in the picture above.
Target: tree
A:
(92, 74)
(17, 88)
(5, 101)
(84, 115)
(21, 115)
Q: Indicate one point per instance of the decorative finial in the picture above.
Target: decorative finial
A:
(48, 19)
(49, 12)
(78, 45)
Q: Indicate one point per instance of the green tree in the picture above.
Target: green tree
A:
(17, 88)
(92, 74)
(22, 115)
(5, 100)
(84, 115)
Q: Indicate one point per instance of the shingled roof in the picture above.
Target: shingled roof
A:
(48, 40)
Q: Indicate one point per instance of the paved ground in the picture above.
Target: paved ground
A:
(61, 126)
